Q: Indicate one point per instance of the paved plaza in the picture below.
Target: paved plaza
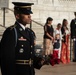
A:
(61, 69)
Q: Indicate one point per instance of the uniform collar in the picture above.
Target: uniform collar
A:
(21, 25)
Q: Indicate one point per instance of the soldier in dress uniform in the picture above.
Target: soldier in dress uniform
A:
(17, 44)
(73, 35)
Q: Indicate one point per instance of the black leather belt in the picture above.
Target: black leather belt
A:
(24, 62)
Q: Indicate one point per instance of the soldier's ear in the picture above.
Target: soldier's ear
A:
(17, 16)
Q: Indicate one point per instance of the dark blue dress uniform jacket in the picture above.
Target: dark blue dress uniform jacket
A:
(23, 49)
(73, 28)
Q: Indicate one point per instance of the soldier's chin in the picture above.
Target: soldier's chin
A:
(29, 22)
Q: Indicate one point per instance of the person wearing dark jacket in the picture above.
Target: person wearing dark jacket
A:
(48, 39)
(17, 44)
(73, 27)
(73, 35)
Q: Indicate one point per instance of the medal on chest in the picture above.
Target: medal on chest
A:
(21, 50)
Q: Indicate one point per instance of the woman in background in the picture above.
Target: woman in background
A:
(65, 51)
(48, 38)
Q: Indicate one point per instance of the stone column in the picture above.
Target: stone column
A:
(45, 2)
(55, 2)
(10, 3)
(4, 3)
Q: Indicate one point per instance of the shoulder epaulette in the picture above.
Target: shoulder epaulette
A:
(13, 26)
(30, 30)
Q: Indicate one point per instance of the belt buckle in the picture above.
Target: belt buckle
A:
(27, 62)
(30, 62)
(24, 61)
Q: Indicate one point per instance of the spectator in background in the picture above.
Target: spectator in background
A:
(65, 51)
(73, 36)
(58, 38)
(48, 37)
(55, 58)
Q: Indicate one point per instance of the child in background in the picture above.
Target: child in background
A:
(55, 58)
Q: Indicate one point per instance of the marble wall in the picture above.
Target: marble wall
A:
(57, 9)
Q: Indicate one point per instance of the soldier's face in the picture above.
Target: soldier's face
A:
(24, 18)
